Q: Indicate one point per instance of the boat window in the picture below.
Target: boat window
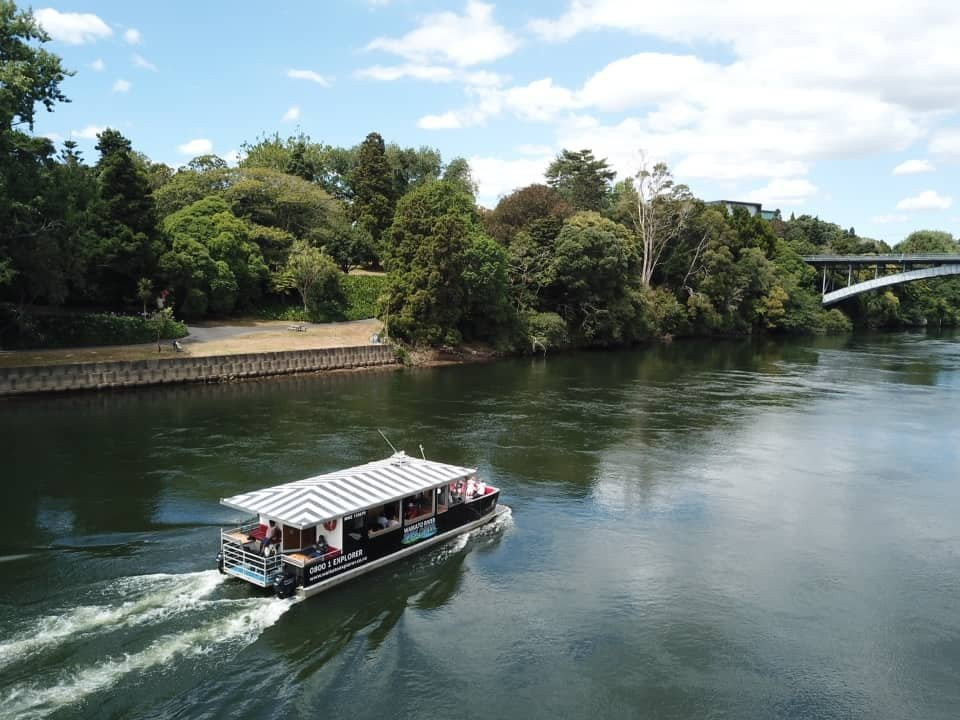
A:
(383, 519)
(443, 499)
(418, 506)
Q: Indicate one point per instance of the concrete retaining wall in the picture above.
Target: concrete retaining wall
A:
(95, 376)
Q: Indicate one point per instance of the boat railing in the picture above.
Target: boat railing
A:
(243, 563)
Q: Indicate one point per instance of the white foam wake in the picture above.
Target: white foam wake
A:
(242, 626)
(146, 599)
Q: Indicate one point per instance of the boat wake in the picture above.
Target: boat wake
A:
(157, 599)
(148, 598)
(458, 543)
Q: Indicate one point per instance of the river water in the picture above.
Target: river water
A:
(741, 529)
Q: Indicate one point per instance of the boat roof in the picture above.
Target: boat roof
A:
(324, 497)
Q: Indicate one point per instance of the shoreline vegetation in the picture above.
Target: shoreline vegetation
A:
(302, 231)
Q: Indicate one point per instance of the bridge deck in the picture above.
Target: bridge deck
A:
(888, 259)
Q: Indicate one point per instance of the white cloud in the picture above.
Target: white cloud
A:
(540, 100)
(913, 167)
(233, 157)
(90, 132)
(432, 73)
(946, 143)
(292, 114)
(618, 86)
(73, 28)
(53, 137)
(132, 36)
(98, 65)
(463, 40)
(308, 75)
(541, 150)
(200, 146)
(496, 177)
(927, 200)
(141, 62)
(122, 86)
(889, 219)
(783, 191)
(446, 121)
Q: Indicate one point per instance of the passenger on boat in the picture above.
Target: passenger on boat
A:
(382, 521)
(322, 546)
(272, 537)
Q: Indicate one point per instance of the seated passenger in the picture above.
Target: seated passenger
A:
(322, 546)
(381, 520)
(392, 520)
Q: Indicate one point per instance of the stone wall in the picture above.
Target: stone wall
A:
(184, 369)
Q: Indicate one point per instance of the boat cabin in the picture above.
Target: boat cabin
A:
(303, 534)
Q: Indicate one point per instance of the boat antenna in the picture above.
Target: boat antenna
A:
(422, 454)
(387, 441)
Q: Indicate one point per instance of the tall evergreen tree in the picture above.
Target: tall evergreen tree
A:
(373, 186)
(127, 222)
(581, 179)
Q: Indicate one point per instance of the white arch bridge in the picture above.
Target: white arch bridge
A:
(887, 270)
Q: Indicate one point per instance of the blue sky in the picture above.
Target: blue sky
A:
(842, 109)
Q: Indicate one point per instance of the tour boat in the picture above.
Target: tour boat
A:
(336, 526)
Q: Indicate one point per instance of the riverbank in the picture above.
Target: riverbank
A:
(210, 339)
(211, 353)
(187, 369)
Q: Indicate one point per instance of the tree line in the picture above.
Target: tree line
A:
(581, 259)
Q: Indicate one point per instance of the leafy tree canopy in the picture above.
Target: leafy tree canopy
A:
(582, 180)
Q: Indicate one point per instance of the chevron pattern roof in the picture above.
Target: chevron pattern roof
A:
(307, 502)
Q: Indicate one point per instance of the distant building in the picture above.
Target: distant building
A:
(753, 209)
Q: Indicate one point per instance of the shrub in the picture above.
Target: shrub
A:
(194, 304)
(55, 330)
(325, 300)
(362, 294)
(835, 322)
(544, 331)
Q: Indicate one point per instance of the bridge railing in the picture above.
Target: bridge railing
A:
(881, 259)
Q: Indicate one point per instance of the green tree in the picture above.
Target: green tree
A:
(29, 76)
(439, 265)
(127, 220)
(412, 167)
(514, 212)
(373, 189)
(212, 253)
(458, 172)
(582, 180)
(592, 280)
(313, 274)
(928, 241)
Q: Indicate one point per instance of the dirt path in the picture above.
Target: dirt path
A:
(209, 339)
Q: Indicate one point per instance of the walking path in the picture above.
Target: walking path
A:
(213, 339)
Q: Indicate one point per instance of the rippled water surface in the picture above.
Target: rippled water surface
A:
(701, 530)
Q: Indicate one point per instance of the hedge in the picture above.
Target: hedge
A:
(362, 292)
(61, 330)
